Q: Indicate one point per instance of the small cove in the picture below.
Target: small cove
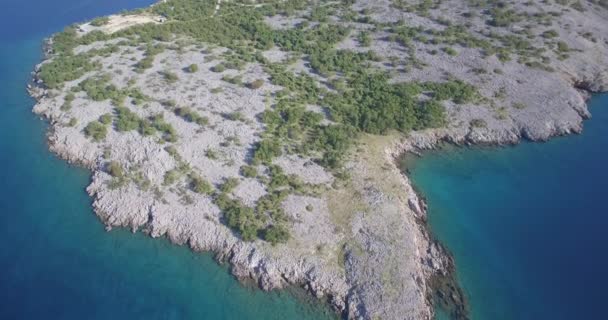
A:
(526, 224)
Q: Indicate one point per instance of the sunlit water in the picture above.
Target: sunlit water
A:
(527, 224)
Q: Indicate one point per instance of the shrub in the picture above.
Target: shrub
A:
(237, 80)
(115, 169)
(64, 68)
(239, 217)
(193, 68)
(211, 154)
(218, 68)
(106, 119)
(266, 150)
(229, 185)
(171, 177)
(201, 186)
(169, 76)
(191, 116)
(478, 123)
(450, 51)
(550, 34)
(169, 133)
(276, 234)
(249, 171)
(126, 120)
(562, 47)
(73, 122)
(101, 21)
(69, 97)
(235, 116)
(96, 130)
(256, 84)
(364, 39)
(519, 105)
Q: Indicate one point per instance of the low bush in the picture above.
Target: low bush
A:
(96, 130)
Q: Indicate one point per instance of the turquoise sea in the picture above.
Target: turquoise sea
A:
(527, 224)
(56, 260)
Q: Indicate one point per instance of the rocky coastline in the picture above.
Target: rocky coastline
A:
(364, 246)
(250, 266)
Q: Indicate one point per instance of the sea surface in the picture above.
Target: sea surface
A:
(56, 260)
(528, 225)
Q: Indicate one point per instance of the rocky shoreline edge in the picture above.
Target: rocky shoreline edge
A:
(439, 283)
(437, 265)
(442, 287)
(444, 290)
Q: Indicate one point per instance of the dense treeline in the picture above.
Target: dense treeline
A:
(64, 68)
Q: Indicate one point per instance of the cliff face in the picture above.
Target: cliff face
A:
(191, 137)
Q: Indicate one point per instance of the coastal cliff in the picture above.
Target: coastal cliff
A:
(267, 133)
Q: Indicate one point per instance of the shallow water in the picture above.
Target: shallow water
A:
(56, 259)
(527, 224)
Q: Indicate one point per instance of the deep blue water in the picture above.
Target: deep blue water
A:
(56, 260)
(527, 224)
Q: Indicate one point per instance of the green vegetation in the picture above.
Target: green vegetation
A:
(450, 51)
(201, 186)
(171, 177)
(115, 169)
(364, 39)
(249, 171)
(64, 68)
(101, 21)
(229, 185)
(96, 130)
(67, 101)
(126, 120)
(191, 116)
(354, 93)
(235, 116)
(375, 106)
(256, 84)
(169, 76)
(168, 132)
(478, 123)
(211, 154)
(106, 119)
(99, 88)
(276, 234)
(237, 80)
(193, 68)
(240, 218)
(266, 150)
(218, 68)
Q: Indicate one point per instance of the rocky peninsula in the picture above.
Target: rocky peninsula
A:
(267, 132)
